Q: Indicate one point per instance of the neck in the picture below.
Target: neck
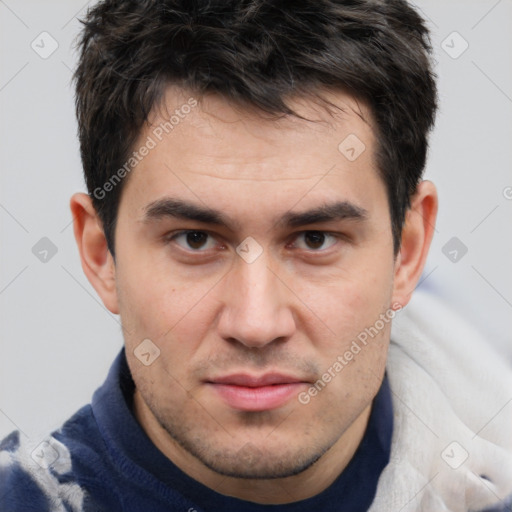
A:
(278, 491)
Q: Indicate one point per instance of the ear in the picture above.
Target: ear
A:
(416, 237)
(97, 262)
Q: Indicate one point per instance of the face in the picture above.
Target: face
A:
(253, 253)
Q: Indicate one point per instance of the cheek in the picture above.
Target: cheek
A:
(174, 315)
(344, 305)
(351, 371)
(142, 309)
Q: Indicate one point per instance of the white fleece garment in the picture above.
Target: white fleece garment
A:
(452, 400)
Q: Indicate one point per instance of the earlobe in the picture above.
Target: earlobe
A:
(97, 262)
(417, 235)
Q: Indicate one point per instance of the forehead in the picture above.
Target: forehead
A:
(213, 151)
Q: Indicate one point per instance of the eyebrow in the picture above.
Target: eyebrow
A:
(339, 210)
(178, 208)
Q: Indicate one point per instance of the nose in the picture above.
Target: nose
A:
(257, 305)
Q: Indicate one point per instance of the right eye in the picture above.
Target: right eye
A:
(196, 241)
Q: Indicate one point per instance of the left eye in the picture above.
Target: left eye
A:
(314, 241)
(194, 240)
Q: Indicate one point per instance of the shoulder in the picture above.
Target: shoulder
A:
(505, 506)
(52, 474)
(37, 477)
(460, 396)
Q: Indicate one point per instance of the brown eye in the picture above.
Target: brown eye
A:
(314, 241)
(194, 240)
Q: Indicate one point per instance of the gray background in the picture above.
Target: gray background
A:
(57, 339)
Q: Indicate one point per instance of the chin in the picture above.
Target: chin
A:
(252, 463)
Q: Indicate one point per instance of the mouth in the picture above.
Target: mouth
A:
(246, 392)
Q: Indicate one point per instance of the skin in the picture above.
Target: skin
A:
(293, 310)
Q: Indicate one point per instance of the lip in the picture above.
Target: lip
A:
(256, 393)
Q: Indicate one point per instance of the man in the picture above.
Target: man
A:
(256, 217)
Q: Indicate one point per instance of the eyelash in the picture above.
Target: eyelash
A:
(173, 236)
